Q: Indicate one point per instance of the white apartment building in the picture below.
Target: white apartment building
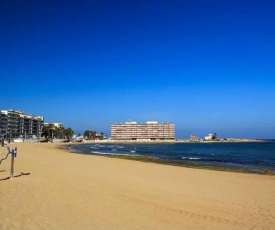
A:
(151, 130)
(18, 124)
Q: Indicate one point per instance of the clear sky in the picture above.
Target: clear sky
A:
(207, 66)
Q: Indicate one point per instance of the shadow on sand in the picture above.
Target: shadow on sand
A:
(21, 174)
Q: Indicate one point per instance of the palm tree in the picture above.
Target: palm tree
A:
(59, 132)
(93, 134)
(48, 130)
(69, 133)
(87, 133)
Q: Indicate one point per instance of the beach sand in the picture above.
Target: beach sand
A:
(72, 191)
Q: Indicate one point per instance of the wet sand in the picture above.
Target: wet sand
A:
(73, 191)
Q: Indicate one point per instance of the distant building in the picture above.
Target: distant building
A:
(209, 137)
(56, 125)
(19, 124)
(151, 130)
(99, 136)
(194, 138)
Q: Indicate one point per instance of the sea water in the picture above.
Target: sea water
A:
(250, 155)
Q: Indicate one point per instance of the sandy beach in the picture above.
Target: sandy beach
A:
(65, 190)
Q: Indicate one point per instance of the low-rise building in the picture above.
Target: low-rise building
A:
(211, 137)
(55, 124)
(194, 138)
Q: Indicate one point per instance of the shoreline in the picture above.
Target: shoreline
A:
(187, 141)
(177, 163)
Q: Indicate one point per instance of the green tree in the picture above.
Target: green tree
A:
(90, 134)
(93, 133)
(51, 131)
(87, 133)
(69, 133)
(214, 137)
(59, 132)
(48, 131)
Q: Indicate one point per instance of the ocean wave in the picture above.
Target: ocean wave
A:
(101, 153)
(190, 158)
(92, 147)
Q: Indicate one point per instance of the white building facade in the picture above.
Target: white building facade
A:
(150, 130)
(18, 124)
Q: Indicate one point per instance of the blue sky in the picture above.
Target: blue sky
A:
(207, 66)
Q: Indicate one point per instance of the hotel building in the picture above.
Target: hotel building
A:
(151, 130)
(55, 124)
(18, 124)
